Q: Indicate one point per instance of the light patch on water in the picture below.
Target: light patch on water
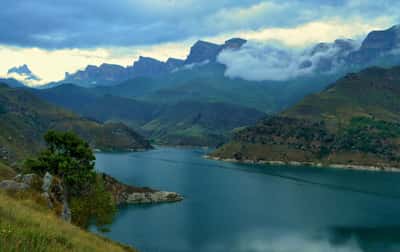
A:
(264, 241)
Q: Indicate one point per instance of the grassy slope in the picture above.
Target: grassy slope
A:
(373, 92)
(354, 121)
(6, 172)
(27, 226)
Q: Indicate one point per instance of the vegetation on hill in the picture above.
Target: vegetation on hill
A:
(26, 225)
(354, 121)
(24, 118)
(71, 159)
(179, 123)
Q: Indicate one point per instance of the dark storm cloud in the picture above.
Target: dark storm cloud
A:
(55, 24)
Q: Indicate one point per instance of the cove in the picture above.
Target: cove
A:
(238, 207)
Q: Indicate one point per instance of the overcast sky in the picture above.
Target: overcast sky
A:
(55, 36)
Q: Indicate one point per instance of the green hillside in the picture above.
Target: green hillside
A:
(199, 123)
(208, 83)
(24, 119)
(180, 122)
(27, 224)
(354, 122)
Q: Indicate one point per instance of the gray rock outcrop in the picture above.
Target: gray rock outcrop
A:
(126, 194)
(153, 197)
(12, 185)
(47, 181)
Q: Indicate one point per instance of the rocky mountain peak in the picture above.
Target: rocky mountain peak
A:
(202, 51)
(173, 63)
(146, 66)
(382, 40)
(234, 43)
(22, 73)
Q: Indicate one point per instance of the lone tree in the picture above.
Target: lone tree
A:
(68, 157)
(71, 159)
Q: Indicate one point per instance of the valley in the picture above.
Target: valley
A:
(117, 135)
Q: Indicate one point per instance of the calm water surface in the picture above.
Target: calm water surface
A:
(234, 207)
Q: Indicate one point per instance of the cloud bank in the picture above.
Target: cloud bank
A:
(102, 23)
(259, 62)
(54, 37)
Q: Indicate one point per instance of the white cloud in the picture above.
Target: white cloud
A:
(51, 65)
(243, 17)
(258, 62)
(313, 32)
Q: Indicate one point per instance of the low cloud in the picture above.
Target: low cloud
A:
(24, 78)
(259, 62)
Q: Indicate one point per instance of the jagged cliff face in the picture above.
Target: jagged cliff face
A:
(343, 55)
(173, 64)
(148, 67)
(109, 74)
(203, 51)
(377, 43)
(382, 40)
(93, 75)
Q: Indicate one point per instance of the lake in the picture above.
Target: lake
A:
(237, 207)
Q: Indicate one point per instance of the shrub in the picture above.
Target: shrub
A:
(71, 159)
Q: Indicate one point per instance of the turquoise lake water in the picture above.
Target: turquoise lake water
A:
(235, 207)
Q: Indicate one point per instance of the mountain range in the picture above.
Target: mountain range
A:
(342, 55)
(142, 95)
(109, 74)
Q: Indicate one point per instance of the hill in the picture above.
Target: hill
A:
(197, 123)
(24, 118)
(182, 122)
(355, 121)
(28, 225)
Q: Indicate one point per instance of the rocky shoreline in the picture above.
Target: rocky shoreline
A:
(53, 193)
(126, 194)
(311, 164)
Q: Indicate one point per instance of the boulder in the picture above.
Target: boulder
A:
(153, 197)
(128, 194)
(47, 180)
(66, 212)
(27, 178)
(13, 185)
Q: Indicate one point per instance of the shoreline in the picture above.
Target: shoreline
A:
(310, 164)
(129, 194)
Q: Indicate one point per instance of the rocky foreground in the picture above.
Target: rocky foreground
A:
(53, 192)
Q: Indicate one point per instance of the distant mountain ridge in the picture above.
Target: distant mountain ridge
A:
(344, 55)
(20, 76)
(201, 81)
(24, 72)
(108, 74)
